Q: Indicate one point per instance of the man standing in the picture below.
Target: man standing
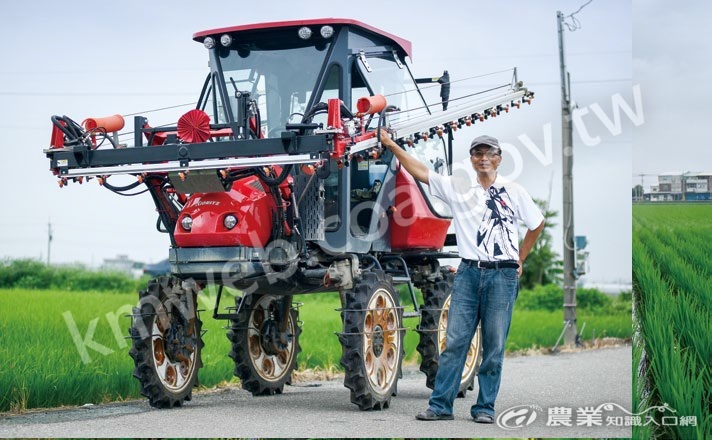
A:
(485, 213)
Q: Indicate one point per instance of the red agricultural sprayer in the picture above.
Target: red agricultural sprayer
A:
(275, 185)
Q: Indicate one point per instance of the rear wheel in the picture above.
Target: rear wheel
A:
(433, 329)
(372, 341)
(264, 356)
(166, 334)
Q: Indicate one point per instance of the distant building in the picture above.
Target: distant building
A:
(678, 186)
(122, 263)
(697, 186)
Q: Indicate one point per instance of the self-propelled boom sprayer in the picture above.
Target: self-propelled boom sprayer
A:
(275, 185)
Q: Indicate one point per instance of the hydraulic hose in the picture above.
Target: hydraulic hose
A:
(271, 181)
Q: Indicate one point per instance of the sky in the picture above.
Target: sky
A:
(69, 59)
(667, 44)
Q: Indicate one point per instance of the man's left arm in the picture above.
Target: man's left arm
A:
(529, 239)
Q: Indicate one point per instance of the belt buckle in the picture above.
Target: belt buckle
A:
(479, 264)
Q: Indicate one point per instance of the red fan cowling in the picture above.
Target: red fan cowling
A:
(194, 126)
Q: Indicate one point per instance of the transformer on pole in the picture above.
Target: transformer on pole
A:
(49, 240)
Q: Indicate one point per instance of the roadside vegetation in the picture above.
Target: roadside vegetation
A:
(673, 316)
(66, 346)
(32, 274)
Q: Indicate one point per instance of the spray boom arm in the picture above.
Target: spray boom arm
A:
(80, 158)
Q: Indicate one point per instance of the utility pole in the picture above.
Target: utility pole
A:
(49, 239)
(567, 149)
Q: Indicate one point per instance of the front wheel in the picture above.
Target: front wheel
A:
(372, 340)
(166, 334)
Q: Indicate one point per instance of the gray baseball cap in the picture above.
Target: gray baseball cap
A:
(484, 141)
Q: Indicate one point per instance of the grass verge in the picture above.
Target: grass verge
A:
(43, 367)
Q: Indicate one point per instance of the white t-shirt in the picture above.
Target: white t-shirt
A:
(485, 220)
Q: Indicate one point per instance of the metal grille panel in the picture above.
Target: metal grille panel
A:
(256, 184)
(311, 206)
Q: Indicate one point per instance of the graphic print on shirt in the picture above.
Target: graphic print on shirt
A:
(495, 236)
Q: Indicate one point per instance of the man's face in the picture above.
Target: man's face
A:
(485, 159)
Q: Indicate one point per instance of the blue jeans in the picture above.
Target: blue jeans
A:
(483, 296)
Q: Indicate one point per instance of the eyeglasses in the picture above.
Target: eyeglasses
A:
(481, 154)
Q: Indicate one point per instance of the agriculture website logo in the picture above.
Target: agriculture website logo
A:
(520, 416)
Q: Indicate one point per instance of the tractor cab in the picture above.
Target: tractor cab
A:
(288, 68)
(281, 76)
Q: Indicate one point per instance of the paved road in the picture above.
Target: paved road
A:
(322, 409)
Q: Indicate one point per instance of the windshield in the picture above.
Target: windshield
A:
(386, 77)
(280, 79)
(395, 82)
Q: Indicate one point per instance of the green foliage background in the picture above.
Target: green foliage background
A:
(543, 265)
(32, 274)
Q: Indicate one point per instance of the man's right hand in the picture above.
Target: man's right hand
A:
(410, 163)
(386, 139)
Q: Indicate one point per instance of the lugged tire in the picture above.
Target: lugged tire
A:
(436, 296)
(262, 373)
(166, 335)
(372, 340)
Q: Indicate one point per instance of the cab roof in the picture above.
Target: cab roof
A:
(401, 43)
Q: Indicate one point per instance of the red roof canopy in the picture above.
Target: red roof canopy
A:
(405, 45)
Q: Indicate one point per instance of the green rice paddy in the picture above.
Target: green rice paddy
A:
(69, 348)
(672, 275)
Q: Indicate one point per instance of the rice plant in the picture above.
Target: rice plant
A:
(673, 300)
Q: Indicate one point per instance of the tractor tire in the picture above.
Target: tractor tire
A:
(372, 340)
(263, 368)
(167, 341)
(432, 329)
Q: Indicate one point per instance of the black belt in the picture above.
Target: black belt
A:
(504, 264)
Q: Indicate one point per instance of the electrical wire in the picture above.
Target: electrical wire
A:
(317, 109)
(451, 82)
(321, 107)
(170, 124)
(159, 109)
(426, 106)
(143, 112)
(575, 23)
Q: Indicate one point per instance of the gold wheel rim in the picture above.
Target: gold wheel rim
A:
(174, 374)
(474, 351)
(270, 367)
(381, 344)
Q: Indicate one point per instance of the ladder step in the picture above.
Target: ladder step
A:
(401, 279)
